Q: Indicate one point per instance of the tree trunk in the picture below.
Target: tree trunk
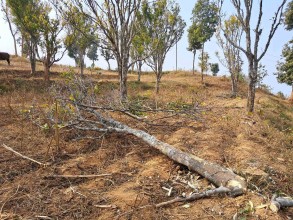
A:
(176, 57)
(46, 70)
(291, 97)
(13, 33)
(158, 85)
(234, 85)
(109, 67)
(251, 86)
(33, 63)
(32, 57)
(139, 70)
(159, 74)
(202, 58)
(251, 97)
(81, 61)
(33, 66)
(15, 45)
(218, 175)
(22, 45)
(194, 52)
(123, 82)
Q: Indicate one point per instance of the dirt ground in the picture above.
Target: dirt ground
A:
(256, 146)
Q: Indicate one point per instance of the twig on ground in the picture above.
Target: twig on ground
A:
(23, 156)
(106, 206)
(196, 196)
(79, 176)
(43, 217)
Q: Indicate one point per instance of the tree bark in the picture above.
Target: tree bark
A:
(46, 71)
(139, 65)
(33, 63)
(13, 33)
(15, 45)
(81, 62)
(176, 56)
(33, 66)
(22, 45)
(123, 82)
(234, 85)
(157, 85)
(109, 67)
(159, 74)
(32, 56)
(291, 97)
(202, 58)
(253, 64)
(194, 52)
(251, 97)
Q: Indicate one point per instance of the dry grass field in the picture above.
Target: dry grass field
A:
(256, 146)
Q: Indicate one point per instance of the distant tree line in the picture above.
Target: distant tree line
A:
(137, 32)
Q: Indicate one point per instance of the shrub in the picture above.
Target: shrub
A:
(281, 95)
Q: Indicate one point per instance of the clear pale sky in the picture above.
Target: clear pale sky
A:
(185, 58)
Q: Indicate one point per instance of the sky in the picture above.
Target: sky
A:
(185, 57)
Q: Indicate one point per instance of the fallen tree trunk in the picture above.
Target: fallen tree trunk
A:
(216, 174)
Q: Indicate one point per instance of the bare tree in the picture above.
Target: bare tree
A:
(244, 11)
(232, 58)
(7, 18)
(116, 21)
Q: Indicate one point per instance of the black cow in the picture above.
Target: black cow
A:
(5, 56)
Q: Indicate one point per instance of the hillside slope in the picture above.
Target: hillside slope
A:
(256, 146)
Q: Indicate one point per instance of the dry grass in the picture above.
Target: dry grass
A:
(257, 146)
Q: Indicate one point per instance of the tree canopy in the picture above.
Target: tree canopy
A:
(80, 34)
(289, 16)
(165, 28)
(205, 19)
(285, 68)
(92, 53)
